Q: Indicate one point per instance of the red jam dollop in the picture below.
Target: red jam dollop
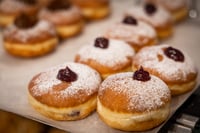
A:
(174, 54)
(130, 20)
(150, 8)
(24, 21)
(141, 75)
(101, 42)
(67, 75)
(59, 5)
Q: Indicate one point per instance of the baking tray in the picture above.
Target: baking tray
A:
(15, 73)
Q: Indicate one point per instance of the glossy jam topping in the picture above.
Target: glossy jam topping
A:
(59, 5)
(24, 21)
(101, 42)
(174, 54)
(130, 20)
(150, 8)
(29, 2)
(141, 75)
(66, 75)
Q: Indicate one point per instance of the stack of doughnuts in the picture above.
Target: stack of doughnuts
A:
(123, 74)
(66, 18)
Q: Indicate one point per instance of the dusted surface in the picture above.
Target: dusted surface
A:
(15, 73)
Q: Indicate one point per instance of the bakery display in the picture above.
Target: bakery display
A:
(133, 101)
(135, 32)
(155, 15)
(172, 65)
(63, 93)
(10, 9)
(29, 37)
(178, 8)
(107, 56)
(93, 9)
(66, 17)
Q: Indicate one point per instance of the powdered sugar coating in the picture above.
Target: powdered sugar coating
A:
(166, 67)
(173, 4)
(118, 52)
(88, 81)
(132, 33)
(141, 96)
(14, 6)
(42, 27)
(160, 18)
(59, 17)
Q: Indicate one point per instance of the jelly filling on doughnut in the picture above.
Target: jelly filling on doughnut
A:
(59, 5)
(101, 42)
(150, 8)
(141, 75)
(130, 20)
(66, 75)
(24, 21)
(74, 113)
(29, 2)
(174, 54)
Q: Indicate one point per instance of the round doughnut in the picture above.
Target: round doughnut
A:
(66, 18)
(155, 15)
(107, 56)
(178, 8)
(65, 92)
(170, 64)
(93, 9)
(133, 101)
(10, 9)
(29, 37)
(135, 32)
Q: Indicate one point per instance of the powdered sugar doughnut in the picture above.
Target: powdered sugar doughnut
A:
(93, 9)
(135, 32)
(10, 9)
(107, 56)
(178, 8)
(29, 37)
(65, 92)
(155, 15)
(66, 18)
(173, 66)
(130, 102)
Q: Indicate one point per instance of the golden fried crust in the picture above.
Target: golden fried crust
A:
(165, 31)
(90, 3)
(31, 49)
(31, 39)
(65, 31)
(64, 113)
(51, 98)
(103, 69)
(150, 42)
(133, 121)
(180, 14)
